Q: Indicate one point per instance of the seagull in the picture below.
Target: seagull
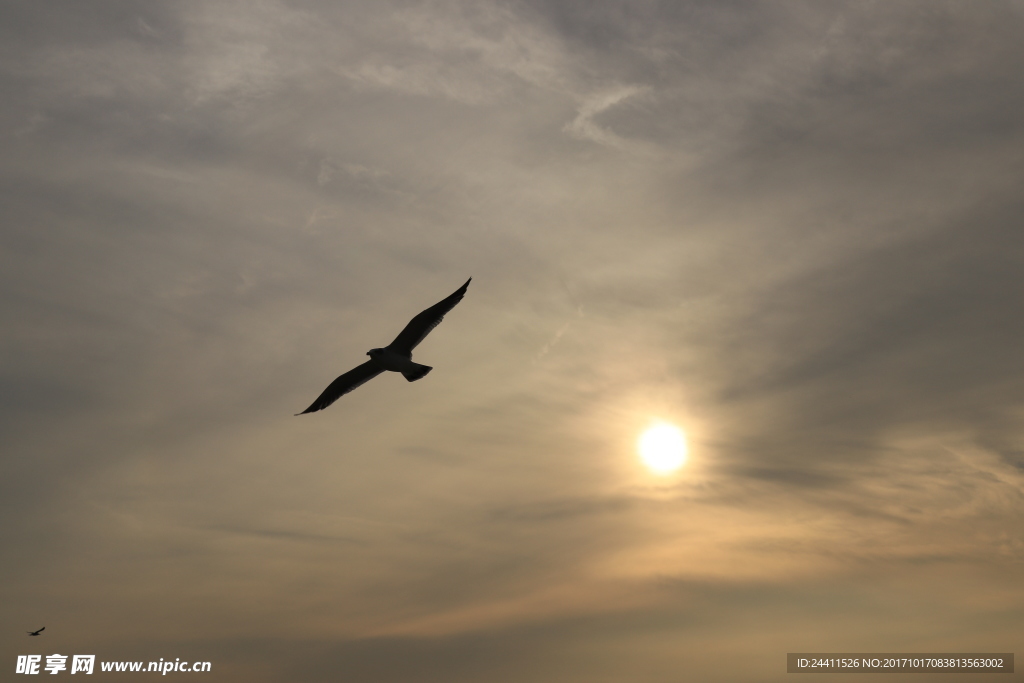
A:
(36, 633)
(396, 356)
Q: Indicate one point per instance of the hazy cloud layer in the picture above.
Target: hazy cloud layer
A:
(792, 228)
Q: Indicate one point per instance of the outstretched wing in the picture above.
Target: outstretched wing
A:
(420, 326)
(350, 380)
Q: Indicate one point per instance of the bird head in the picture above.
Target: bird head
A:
(373, 353)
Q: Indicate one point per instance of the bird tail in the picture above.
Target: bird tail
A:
(418, 372)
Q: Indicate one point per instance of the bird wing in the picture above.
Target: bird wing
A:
(350, 380)
(420, 326)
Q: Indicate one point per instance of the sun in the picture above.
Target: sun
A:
(662, 447)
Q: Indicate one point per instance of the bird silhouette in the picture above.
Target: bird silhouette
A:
(396, 356)
(36, 633)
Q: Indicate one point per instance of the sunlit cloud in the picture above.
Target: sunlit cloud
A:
(790, 231)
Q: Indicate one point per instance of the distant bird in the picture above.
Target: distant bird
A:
(36, 633)
(396, 356)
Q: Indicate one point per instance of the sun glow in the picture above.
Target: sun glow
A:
(662, 448)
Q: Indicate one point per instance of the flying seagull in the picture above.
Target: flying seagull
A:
(396, 356)
(36, 633)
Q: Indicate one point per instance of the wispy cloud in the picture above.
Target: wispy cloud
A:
(585, 127)
(793, 229)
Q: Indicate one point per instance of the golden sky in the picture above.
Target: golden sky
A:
(791, 229)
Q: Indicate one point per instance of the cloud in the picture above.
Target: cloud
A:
(473, 55)
(584, 126)
(793, 229)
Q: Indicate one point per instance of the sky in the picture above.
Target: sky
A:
(792, 229)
